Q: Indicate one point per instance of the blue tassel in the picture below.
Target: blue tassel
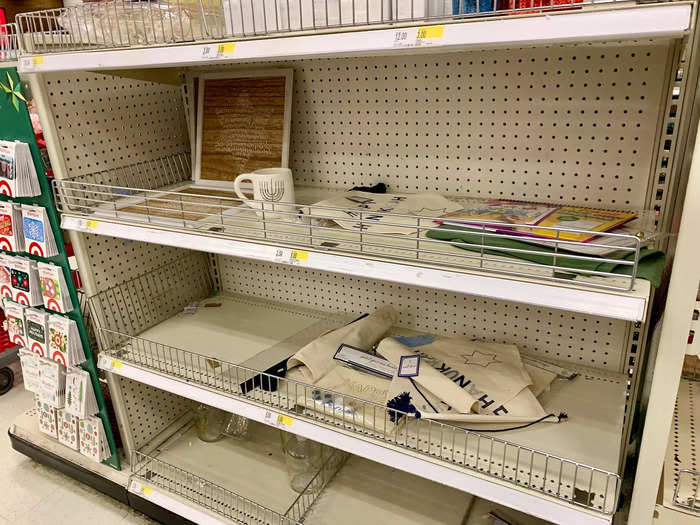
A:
(401, 402)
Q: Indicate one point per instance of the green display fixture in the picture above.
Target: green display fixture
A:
(15, 124)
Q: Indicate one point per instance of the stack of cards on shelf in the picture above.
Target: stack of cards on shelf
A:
(53, 288)
(93, 441)
(30, 370)
(37, 331)
(24, 280)
(11, 231)
(18, 177)
(14, 319)
(80, 396)
(67, 428)
(5, 280)
(52, 382)
(38, 235)
(65, 346)
(47, 418)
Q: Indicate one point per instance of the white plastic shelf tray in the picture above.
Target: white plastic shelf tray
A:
(477, 464)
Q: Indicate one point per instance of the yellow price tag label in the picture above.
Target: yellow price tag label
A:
(284, 420)
(146, 490)
(37, 61)
(117, 365)
(225, 49)
(299, 255)
(92, 224)
(431, 32)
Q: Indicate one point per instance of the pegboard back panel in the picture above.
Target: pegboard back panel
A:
(105, 122)
(149, 410)
(574, 124)
(583, 339)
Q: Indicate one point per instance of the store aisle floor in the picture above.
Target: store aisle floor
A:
(37, 495)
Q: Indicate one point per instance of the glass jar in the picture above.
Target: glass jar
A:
(303, 459)
(210, 422)
(237, 427)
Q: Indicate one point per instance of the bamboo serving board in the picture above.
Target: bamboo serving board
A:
(242, 126)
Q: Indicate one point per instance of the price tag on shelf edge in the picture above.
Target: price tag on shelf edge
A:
(289, 256)
(418, 37)
(278, 420)
(136, 486)
(218, 50)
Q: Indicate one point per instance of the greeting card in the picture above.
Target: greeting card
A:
(93, 442)
(52, 382)
(5, 280)
(11, 234)
(24, 281)
(38, 236)
(67, 429)
(14, 319)
(80, 396)
(65, 346)
(37, 330)
(18, 177)
(53, 288)
(30, 370)
(47, 418)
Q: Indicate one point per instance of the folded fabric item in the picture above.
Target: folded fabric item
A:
(650, 266)
(363, 211)
(459, 376)
(342, 393)
(316, 358)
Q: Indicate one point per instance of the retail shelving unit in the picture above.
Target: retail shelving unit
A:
(583, 103)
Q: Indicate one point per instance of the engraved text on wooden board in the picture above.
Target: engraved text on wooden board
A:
(242, 126)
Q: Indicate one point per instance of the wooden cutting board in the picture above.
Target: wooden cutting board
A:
(244, 125)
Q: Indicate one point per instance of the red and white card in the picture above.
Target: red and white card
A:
(11, 231)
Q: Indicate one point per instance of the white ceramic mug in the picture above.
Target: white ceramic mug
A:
(273, 185)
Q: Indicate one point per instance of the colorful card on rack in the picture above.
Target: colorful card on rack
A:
(93, 442)
(80, 396)
(53, 288)
(24, 281)
(37, 330)
(67, 429)
(47, 418)
(52, 383)
(14, 318)
(11, 234)
(18, 177)
(30, 370)
(65, 346)
(38, 236)
(587, 219)
(5, 280)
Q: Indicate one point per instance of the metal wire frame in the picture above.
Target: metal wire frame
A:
(687, 491)
(554, 476)
(123, 23)
(316, 227)
(225, 502)
(9, 42)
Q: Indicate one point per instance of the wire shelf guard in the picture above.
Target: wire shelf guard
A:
(123, 23)
(226, 503)
(319, 228)
(9, 42)
(687, 491)
(556, 477)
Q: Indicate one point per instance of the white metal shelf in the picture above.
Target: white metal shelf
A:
(629, 306)
(476, 464)
(609, 23)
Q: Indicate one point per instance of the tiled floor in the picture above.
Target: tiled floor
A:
(34, 494)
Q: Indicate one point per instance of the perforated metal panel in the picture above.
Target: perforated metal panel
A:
(107, 122)
(589, 340)
(149, 410)
(571, 124)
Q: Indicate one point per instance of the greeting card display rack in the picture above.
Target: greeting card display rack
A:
(16, 125)
(584, 103)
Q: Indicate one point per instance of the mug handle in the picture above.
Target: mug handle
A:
(237, 187)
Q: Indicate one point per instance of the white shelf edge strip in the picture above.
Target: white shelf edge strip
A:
(188, 511)
(471, 482)
(592, 302)
(667, 20)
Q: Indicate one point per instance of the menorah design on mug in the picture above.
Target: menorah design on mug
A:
(272, 191)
